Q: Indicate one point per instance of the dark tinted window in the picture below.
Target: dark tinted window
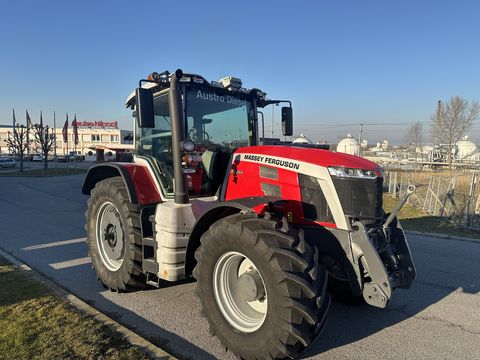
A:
(315, 206)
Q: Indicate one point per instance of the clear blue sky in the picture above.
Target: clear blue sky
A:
(340, 62)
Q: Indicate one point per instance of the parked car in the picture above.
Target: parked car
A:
(62, 158)
(37, 157)
(73, 157)
(7, 162)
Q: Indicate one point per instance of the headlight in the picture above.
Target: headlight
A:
(339, 171)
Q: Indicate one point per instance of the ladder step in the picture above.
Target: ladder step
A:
(149, 241)
(150, 265)
(153, 280)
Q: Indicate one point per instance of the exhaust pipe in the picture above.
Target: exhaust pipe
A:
(178, 131)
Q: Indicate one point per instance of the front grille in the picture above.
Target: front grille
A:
(268, 172)
(271, 189)
(360, 198)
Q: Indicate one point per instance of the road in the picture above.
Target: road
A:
(41, 222)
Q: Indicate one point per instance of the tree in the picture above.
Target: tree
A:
(18, 142)
(414, 137)
(44, 141)
(452, 120)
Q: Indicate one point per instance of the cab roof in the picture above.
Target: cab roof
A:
(227, 83)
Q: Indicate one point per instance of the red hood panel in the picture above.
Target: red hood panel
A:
(313, 156)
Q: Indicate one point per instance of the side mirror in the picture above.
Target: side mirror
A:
(144, 110)
(287, 121)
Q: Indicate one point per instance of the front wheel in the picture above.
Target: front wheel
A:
(262, 288)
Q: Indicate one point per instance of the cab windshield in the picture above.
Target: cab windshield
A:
(217, 124)
(218, 120)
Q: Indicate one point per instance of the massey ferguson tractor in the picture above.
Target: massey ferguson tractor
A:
(262, 228)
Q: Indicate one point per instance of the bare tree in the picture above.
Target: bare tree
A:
(452, 120)
(44, 141)
(18, 142)
(414, 137)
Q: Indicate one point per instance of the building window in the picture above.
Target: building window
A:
(105, 138)
(114, 138)
(95, 138)
(85, 138)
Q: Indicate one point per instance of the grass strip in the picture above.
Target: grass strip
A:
(35, 324)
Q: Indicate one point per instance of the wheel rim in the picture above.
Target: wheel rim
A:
(109, 236)
(242, 314)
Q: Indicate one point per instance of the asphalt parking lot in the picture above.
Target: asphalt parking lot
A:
(42, 219)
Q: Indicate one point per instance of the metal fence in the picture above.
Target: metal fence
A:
(453, 197)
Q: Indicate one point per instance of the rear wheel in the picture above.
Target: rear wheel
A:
(114, 236)
(262, 288)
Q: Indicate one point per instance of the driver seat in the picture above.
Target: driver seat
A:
(208, 160)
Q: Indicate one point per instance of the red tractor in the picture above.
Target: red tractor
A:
(262, 228)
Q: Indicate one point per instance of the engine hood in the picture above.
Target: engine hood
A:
(318, 157)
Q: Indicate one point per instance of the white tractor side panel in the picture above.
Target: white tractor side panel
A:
(173, 225)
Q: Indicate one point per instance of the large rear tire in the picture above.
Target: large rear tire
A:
(114, 236)
(262, 288)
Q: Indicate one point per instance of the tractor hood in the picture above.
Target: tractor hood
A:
(318, 157)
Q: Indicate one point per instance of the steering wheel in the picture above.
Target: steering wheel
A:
(198, 137)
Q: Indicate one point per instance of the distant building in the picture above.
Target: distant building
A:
(380, 146)
(97, 141)
(349, 146)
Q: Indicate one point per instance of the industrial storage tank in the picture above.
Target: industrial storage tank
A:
(465, 148)
(302, 139)
(349, 146)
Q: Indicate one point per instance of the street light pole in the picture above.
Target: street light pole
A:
(360, 138)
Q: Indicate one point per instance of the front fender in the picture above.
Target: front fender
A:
(215, 213)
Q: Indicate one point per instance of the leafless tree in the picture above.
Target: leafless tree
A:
(18, 142)
(452, 120)
(44, 141)
(414, 138)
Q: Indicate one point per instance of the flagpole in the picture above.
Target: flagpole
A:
(75, 140)
(14, 135)
(55, 139)
(28, 142)
(68, 155)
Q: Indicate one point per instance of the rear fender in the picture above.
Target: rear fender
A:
(139, 183)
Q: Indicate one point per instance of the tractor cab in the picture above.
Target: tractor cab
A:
(214, 119)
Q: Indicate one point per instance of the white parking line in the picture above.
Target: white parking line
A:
(53, 244)
(70, 263)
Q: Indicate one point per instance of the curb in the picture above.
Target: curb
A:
(443, 236)
(129, 335)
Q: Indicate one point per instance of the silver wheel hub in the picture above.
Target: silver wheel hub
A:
(240, 292)
(110, 236)
(251, 286)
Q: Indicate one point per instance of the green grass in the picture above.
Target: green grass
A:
(38, 325)
(415, 219)
(42, 172)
